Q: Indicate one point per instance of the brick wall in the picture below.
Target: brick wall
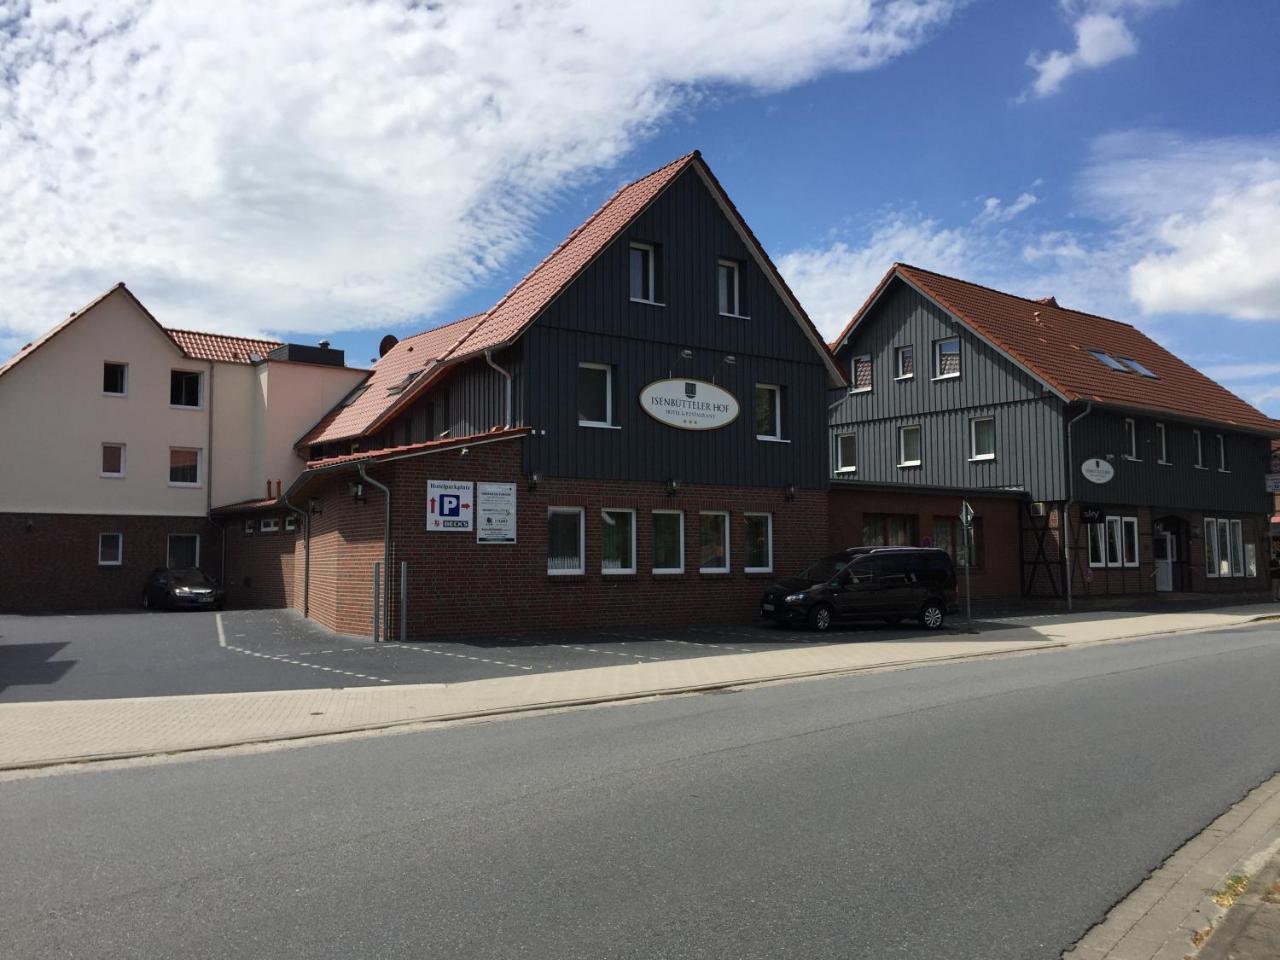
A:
(260, 565)
(50, 561)
(998, 576)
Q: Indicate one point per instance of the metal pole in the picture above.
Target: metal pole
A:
(968, 580)
(377, 600)
(1068, 553)
(404, 597)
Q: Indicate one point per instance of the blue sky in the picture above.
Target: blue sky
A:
(1123, 155)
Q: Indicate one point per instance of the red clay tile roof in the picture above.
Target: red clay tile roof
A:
(1053, 344)
(372, 403)
(410, 448)
(221, 347)
(247, 506)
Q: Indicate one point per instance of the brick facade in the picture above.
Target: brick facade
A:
(50, 561)
(260, 565)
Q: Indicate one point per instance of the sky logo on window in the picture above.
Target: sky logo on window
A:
(449, 505)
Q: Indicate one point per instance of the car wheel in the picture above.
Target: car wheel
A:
(932, 615)
(820, 618)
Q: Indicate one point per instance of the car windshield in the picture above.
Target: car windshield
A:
(188, 578)
(826, 568)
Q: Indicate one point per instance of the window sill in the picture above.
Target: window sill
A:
(905, 376)
(1198, 467)
(1220, 470)
(599, 426)
(715, 571)
(667, 573)
(946, 376)
(908, 464)
(735, 316)
(104, 564)
(111, 476)
(1165, 463)
(185, 406)
(772, 439)
(983, 458)
(118, 396)
(846, 469)
(649, 303)
(566, 573)
(757, 569)
(186, 486)
(618, 573)
(1125, 456)
(853, 390)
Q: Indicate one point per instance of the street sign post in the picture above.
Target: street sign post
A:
(966, 521)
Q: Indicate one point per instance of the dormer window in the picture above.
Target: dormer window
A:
(644, 273)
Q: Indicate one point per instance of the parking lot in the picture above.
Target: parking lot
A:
(107, 655)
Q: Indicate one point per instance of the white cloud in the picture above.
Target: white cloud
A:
(994, 210)
(1102, 35)
(313, 165)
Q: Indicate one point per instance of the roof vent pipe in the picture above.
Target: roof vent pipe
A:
(324, 344)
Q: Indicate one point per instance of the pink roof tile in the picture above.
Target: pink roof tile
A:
(409, 448)
(221, 347)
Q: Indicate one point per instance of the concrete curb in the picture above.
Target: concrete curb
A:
(1226, 943)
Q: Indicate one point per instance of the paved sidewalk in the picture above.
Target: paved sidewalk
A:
(41, 734)
(1251, 930)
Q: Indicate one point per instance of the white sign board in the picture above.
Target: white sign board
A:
(449, 505)
(495, 512)
(1273, 483)
(1097, 471)
(689, 404)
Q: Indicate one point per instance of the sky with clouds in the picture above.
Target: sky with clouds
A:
(347, 168)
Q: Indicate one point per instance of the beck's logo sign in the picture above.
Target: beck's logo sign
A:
(689, 404)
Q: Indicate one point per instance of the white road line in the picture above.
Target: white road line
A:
(222, 634)
(611, 653)
(459, 656)
(717, 646)
(300, 663)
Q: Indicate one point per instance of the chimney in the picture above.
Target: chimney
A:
(324, 344)
(268, 488)
(277, 489)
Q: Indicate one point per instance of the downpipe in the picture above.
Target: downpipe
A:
(386, 546)
(306, 556)
(1071, 499)
(506, 374)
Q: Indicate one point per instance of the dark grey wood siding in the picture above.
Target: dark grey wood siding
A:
(1178, 484)
(1028, 417)
(469, 400)
(594, 320)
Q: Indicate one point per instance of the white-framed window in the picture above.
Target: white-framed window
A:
(728, 287)
(617, 541)
(1224, 548)
(1198, 441)
(668, 541)
(644, 273)
(768, 411)
(184, 467)
(982, 438)
(946, 358)
(184, 389)
(1210, 547)
(1237, 548)
(1162, 443)
(248, 526)
(1115, 534)
(847, 453)
(1129, 532)
(904, 362)
(595, 395)
(1097, 544)
(759, 542)
(110, 549)
(113, 464)
(184, 551)
(1130, 439)
(713, 541)
(1223, 466)
(860, 374)
(115, 379)
(269, 524)
(909, 452)
(566, 541)
(291, 522)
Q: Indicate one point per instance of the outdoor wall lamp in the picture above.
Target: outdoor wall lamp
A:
(730, 359)
(534, 479)
(686, 354)
(672, 486)
(357, 492)
(790, 491)
(315, 507)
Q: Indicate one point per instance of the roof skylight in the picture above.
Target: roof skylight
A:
(1110, 361)
(1140, 368)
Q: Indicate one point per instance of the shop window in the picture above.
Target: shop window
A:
(768, 411)
(668, 541)
(904, 362)
(1130, 439)
(1129, 531)
(1113, 542)
(595, 395)
(110, 549)
(644, 272)
(184, 551)
(759, 542)
(728, 284)
(112, 460)
(860, 374)
(566, 546)
(184, 467)
(949, 535)
(846, 453)
(889, 530)
(269, 524)
(909, 446)
(713, 542)
(1224, 548)
(184, 388)
(982, 438)
(115, 379)
(617, 541)
(946, 358)
(1237, 548)
(1097, 544)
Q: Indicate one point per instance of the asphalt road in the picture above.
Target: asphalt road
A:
(989, 809)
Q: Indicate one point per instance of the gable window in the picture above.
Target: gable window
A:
(846, 453)
(618, 541)
(946, 358)
(112, 460)
(115, 379)
(1198, 441)
(982, 438)
(595, 395)
(904, 362)
(110, 549)
(291, 522)
(1130, 439)
(860, 374)
(768, 410)
(184, 551)
(713, 542)
(184, 467)
(909, 446)
(644, 272)
(184, 388)
(1223, 466)
(728, 285)
(1162, 443)
(566, 546)
(759, 542)
(668, 541)
(269, 524)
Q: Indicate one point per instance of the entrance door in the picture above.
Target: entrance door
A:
(1165, 549)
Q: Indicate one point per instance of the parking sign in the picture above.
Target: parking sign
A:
(450, 505)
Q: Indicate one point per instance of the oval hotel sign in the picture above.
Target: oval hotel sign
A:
(1097, 471)
(689, 404)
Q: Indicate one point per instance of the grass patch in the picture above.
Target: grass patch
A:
(1230, 891)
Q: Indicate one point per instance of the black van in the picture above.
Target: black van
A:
(868, 583)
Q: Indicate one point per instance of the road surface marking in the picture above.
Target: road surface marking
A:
(222, 634)
(300, 663)
(459, 656)
(612, 653)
